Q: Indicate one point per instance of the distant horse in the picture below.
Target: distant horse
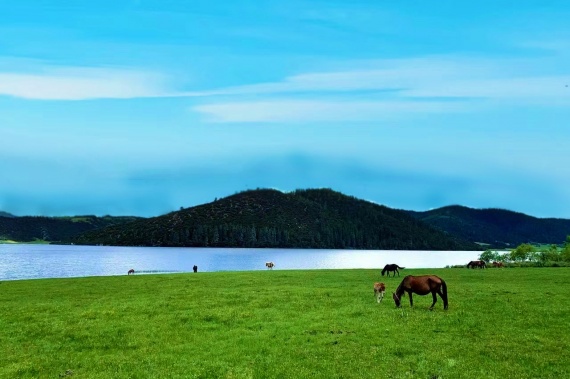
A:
(480, 264)
(131, 271)
(195, 268)
(422, 285)
(379, 289)
(392, 268)
(498, 264)
(269, 265)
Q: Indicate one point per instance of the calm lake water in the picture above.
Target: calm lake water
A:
(21, 261)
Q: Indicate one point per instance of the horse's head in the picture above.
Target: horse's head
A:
(396, 299)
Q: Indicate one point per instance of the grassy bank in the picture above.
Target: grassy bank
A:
(501, 323)
(37, 241)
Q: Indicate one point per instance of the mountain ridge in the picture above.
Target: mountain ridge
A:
(495, 227)
(318, 218)
(313, 218)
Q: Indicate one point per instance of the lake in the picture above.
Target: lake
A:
(22, 261)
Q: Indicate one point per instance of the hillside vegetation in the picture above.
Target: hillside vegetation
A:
(53, 229)
(316, 218)
(313, 218)
(495, 227)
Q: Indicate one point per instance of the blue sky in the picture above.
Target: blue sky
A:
(142, 107)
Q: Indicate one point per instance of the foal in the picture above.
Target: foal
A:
(379, 289)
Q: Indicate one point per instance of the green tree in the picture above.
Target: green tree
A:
(489, 256)
(565, 253)
(522, 252)
(549, 254)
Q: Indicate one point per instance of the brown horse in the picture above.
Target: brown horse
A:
(480, 264)
(498, 264)
(422, 285)
(392, 268)
(379, 289)
(131, 271)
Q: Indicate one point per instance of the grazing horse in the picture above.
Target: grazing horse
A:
(131, 271)
(422, 285)
(195, 268)
(498, 264)
(269, 265)
(392, 268)
(379, 289)
(480, 264)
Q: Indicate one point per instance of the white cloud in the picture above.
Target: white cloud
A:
(82, 84)
(535, 89)
(403, 87)
(428, 77)
(385, 75)
(287, 110)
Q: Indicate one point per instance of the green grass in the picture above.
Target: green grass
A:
(501, 323)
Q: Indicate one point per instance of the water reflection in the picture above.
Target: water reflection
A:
(55, 261)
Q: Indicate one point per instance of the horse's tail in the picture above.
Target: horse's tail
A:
(400, 267)
(444, 293)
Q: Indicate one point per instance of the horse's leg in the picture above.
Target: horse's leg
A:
(434, 299)
(411, 300)
(440, 293)
(396, 272)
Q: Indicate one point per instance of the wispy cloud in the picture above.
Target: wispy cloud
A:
(289, 110)
(81, 83)
(417, 76)
(371, 90)
(390, 88)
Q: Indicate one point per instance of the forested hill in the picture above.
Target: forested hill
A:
(53, 229)
(495, 227)
(317, 218)
(6, 214)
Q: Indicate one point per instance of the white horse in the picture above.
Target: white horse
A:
(269, 265)
(379, 289)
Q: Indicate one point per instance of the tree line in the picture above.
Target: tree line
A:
(532, 255)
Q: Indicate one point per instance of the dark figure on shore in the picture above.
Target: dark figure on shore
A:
(422, 285)
(474, 264)
(131, 271)
(392, 268)
(195, 268)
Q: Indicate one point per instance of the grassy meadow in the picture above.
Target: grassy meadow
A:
(501, 323)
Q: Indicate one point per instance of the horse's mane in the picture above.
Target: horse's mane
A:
(400, 290)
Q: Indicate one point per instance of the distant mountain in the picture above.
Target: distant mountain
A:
(495, 227)
(315, 218)
(6, 214)
(54, 229)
